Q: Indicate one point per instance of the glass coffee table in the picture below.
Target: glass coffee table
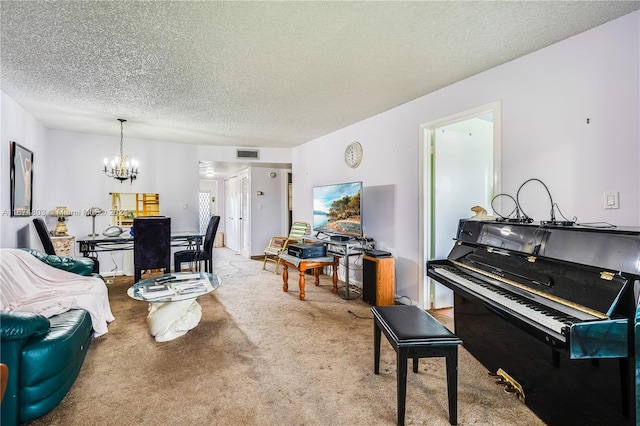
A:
(173, 309)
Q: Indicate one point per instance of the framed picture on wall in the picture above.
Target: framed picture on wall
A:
(21, 180)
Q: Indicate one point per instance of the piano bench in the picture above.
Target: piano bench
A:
(415, 334)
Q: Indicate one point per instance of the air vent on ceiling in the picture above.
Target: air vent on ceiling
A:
(248, 153)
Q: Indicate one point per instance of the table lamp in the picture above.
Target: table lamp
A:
(93, 212)
(61, 212)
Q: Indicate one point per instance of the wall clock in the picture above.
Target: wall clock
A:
(353, 154)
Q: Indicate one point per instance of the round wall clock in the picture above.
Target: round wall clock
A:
(353, 154)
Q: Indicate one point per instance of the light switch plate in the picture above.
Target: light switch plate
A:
(611, 200)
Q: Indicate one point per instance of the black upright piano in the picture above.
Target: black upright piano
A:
(550, 312)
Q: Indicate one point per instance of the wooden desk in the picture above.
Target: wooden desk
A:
(302, 265)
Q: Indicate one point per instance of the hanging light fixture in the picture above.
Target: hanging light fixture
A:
(121, 166)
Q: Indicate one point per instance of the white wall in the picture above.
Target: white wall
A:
(267, 210)
(169, 169)
(546, 99)
(21, 127)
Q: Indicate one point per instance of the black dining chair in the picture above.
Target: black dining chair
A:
(206, 254)
(43, 233)
(47, 244)
(151, 244)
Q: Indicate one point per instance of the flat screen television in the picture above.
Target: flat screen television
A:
(337, 209)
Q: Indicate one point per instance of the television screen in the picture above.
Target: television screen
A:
(337, 209)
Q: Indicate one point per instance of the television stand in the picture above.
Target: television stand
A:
(343, 248)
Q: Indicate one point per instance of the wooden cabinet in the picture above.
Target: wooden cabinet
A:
(378, 280)
(127, 206)
(147, 205)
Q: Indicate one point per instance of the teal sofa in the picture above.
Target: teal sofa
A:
(44, 355)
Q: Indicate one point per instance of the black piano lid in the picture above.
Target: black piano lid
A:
(615, 249)
(576, 258)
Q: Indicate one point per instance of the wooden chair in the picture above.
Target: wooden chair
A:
(151, 244)
(279, 245)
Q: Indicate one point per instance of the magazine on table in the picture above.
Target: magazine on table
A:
(179, 284)
(156, 291)
(198, 285)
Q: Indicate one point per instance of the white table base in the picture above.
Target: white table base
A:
(170, 320)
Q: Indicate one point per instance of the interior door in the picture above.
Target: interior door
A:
(461, 170)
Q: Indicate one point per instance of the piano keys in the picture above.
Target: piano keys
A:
(527, 296)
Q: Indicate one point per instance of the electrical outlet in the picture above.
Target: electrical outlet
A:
(611, 200)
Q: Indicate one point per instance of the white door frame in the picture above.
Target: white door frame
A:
(231, 195)
(424, 184)
(244, 230)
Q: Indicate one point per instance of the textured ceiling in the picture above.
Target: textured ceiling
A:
(259, 74)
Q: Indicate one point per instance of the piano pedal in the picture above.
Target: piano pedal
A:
(500, 380)
(512, 386)
(510, 389)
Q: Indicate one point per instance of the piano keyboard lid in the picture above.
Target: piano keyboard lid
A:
(577, 266)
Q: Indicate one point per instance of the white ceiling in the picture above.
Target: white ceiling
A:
(258, 74)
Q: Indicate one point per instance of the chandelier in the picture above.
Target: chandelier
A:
(121, 166)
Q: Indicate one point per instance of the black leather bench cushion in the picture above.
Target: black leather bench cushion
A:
(412, 325)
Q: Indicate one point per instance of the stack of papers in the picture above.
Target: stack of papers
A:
(156, 291)
(191, 286)
(171, 285)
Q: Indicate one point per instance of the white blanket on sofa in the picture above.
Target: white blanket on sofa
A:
(28, 284)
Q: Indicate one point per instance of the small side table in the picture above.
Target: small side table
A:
(63, 245)
(302, 265)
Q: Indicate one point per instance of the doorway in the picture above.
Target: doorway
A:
(237, 208)
(460, 168)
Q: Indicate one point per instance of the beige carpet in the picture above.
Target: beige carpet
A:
(262, 357)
